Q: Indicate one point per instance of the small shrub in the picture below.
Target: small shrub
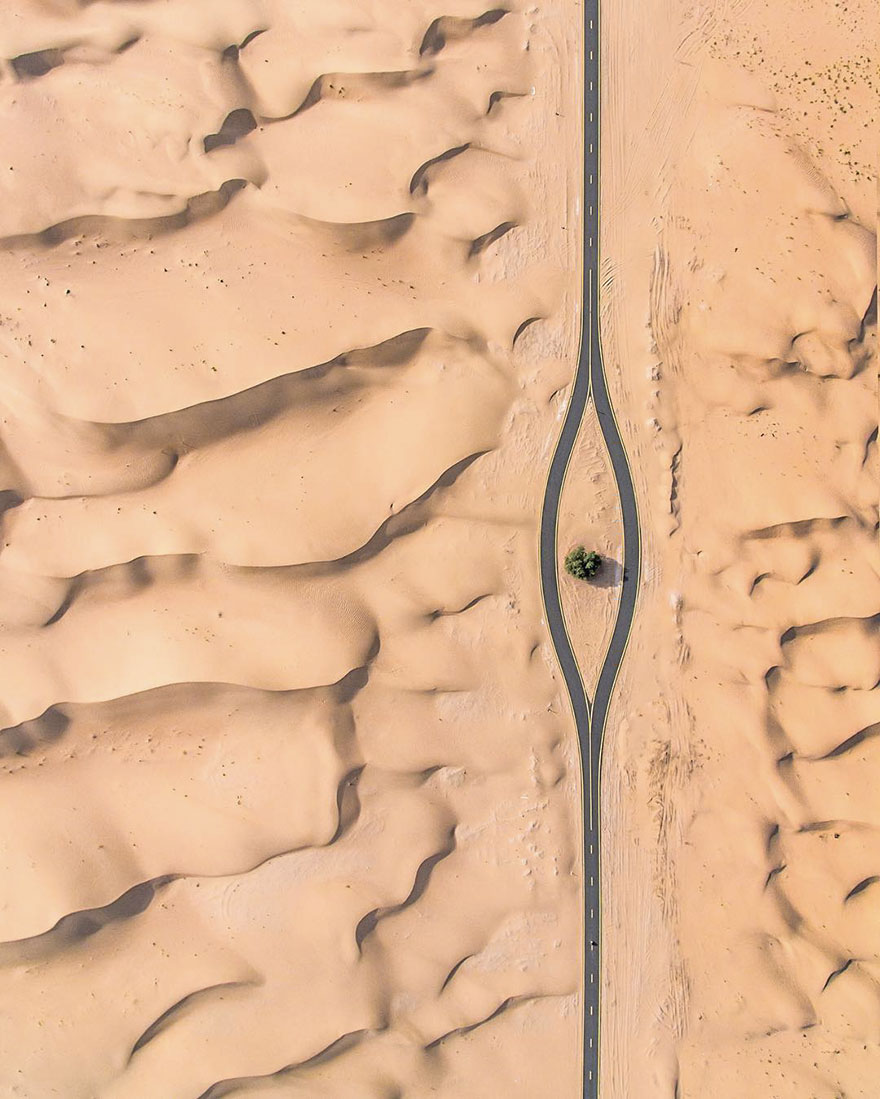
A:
(582, 563)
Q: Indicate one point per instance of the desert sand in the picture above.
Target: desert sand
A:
(290, 791)
(291, 796)
(740, 798)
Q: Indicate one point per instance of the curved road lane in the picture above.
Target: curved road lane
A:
(590, 382)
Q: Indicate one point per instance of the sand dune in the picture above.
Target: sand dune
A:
(307, 501)
(742, 315)
(290, 793)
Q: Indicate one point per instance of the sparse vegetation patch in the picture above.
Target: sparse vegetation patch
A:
(582, 563)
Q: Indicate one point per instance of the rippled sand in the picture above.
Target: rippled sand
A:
(290, 799)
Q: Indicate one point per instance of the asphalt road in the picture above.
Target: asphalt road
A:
(590, 384)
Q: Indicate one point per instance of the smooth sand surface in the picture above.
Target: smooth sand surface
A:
(290, 798)
(739, 240)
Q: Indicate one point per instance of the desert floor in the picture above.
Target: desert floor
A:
(290, 797)
(290, 794)
(742, 836)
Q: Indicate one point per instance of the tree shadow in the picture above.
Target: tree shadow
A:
(610, 575)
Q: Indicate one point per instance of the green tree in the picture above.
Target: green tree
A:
(582, 563)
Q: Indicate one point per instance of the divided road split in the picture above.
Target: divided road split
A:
(590, 381)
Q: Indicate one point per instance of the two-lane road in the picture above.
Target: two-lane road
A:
(590, 384)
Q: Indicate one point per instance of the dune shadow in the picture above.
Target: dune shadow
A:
(30, 66)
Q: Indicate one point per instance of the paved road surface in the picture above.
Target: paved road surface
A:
(590, 384)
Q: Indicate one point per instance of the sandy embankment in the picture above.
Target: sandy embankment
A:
(740, 249)
(289, 795)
